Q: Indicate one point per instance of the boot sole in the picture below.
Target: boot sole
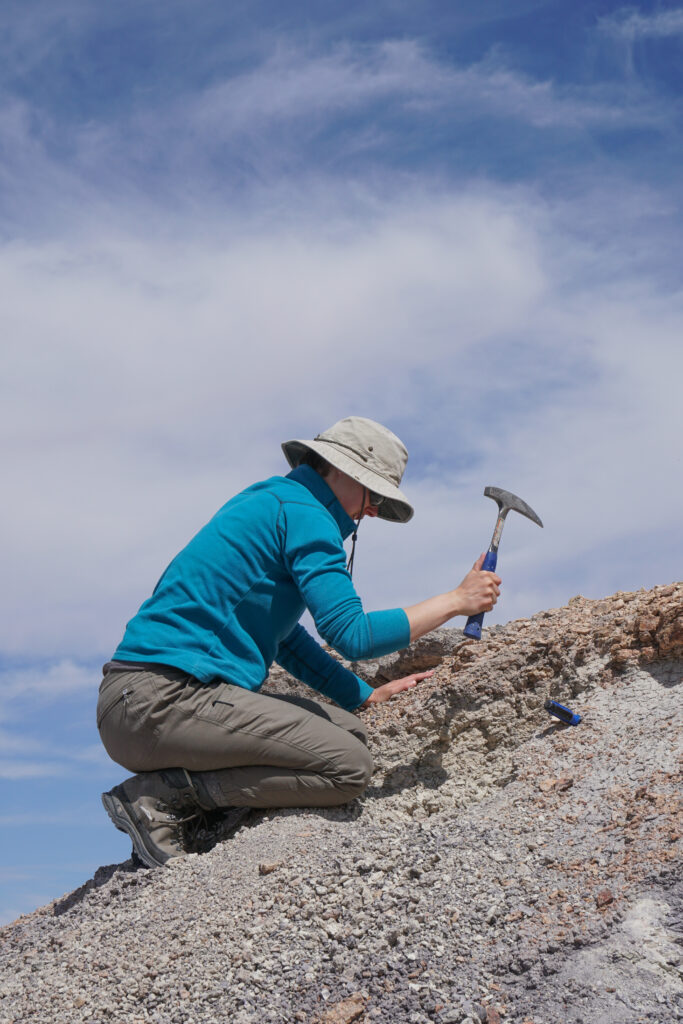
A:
(125, 823)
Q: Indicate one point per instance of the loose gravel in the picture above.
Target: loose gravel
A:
(501, 867)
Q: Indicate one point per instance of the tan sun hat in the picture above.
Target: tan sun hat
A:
(367, 452)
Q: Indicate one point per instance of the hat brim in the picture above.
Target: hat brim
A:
(395, 508)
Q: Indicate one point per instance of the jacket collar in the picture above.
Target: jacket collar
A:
(319, 489)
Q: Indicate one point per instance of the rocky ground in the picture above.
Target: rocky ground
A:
(501, 867)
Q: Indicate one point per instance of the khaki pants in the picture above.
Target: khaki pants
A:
(256, 750)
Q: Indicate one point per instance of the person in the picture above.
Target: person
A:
(180, 704)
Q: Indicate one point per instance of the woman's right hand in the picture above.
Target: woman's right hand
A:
(479, 591)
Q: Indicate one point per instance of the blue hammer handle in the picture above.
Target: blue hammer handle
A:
(473, 624)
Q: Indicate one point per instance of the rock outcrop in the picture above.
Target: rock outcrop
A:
(501, 866)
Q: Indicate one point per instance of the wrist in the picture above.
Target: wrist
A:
(455, 603)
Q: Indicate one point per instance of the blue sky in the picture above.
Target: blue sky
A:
(223, 225)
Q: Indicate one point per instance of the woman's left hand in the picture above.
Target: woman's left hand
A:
(389, 690)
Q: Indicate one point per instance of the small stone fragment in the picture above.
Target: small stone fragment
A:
(344, 1012)
(267, 867)
(604, 898)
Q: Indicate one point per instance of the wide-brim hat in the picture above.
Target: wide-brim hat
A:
(367, 452)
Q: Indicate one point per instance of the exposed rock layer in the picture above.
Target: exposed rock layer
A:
(500, 867)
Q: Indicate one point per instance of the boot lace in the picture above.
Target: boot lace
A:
(186, 825)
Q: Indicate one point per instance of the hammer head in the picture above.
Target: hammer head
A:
(508, 502)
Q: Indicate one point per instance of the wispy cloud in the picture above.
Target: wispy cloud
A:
(16, 874)
(94, 754)
(31, 818)
(24, 756)
(353, 103)
(33, 759)
(292, 85)
(51, 681)
(12, 743)
(30, 37)
(21, 769)
(42, 693)
(631, 25)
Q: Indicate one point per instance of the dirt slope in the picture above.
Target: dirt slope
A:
(500, 867)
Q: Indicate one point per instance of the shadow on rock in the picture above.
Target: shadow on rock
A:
(218, 826)
(666, 673)
(100, 878)
(408, 776)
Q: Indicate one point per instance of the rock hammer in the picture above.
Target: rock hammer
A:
(507, 502)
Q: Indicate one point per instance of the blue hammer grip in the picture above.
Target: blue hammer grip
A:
(473, 624)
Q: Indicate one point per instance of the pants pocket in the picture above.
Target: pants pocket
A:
(126, 719)
(116, 687)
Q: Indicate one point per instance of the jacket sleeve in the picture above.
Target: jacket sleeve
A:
(303, 658)
(315, 558)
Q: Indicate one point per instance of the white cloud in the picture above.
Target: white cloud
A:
(50, 681)
(260, 126)
(295, 88)
(13, 743)
(31, 37)
(631, 25)
(30, 769)
(150, 371)
(627, 30)
(151, 382)
(153, 377)
(32, 756)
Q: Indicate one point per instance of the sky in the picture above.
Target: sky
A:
(225, 225)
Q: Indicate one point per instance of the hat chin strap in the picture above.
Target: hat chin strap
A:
(354, 536)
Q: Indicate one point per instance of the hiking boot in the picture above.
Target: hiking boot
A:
(154, 808)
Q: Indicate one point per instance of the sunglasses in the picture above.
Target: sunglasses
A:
(375, 499)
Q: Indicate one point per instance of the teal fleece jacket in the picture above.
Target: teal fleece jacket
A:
(229, 604)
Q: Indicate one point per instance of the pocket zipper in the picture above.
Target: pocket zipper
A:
(123, 696)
